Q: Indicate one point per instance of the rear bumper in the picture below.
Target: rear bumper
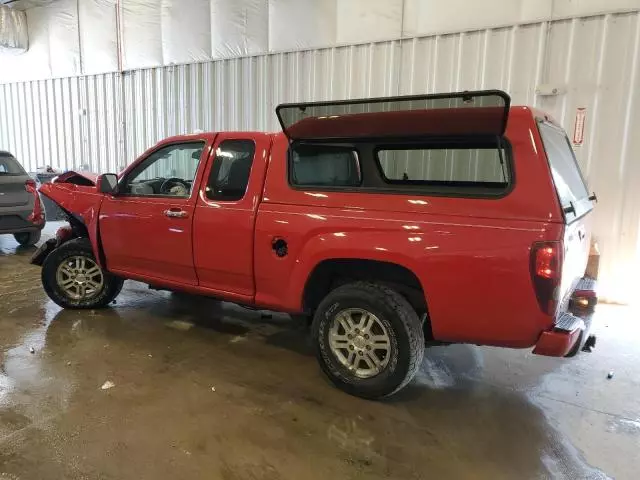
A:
(560, 343)
(17, 221)
(571, 330)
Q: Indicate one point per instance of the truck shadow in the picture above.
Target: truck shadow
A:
(276, 329)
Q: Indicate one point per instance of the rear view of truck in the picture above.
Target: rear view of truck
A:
(558, 267)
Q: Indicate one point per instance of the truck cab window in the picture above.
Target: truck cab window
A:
(169, 171)
(230, 171)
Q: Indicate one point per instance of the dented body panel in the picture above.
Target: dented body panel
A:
(81, 203)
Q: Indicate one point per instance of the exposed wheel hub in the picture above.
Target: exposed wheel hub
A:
(359, 342)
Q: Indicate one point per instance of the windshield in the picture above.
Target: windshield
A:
(10, 166)
(566, 174)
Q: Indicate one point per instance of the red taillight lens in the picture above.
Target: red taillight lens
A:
(30, 186)
(547, 262)
(37, 216)
(546, 271)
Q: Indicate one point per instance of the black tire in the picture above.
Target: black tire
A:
(403, 327)
(28, 239)
(77, 247)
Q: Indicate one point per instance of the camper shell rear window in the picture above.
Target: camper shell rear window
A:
(570, 185)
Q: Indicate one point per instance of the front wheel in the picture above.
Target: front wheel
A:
(73, 279)
(369, 339)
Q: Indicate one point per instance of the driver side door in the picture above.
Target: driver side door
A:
(146, 228)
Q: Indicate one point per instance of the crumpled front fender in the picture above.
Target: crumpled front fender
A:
(81, 201)
(78, 178)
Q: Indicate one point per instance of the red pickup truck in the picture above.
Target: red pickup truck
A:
(393, 224)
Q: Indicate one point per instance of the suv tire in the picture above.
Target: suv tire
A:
(339, 330)
(78, 253)
(28, 239)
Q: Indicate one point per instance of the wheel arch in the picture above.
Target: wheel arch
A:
(331, 273)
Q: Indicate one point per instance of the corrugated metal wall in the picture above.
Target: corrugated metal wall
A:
(105, 121)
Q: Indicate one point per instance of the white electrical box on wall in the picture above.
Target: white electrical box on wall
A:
(549, 90)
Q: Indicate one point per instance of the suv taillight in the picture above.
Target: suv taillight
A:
(30, 186)
(37, 216)
(546, 272)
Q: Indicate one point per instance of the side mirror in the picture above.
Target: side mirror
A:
(108, 183)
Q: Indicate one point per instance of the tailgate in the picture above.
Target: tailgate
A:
(577, 242)
(12, 191)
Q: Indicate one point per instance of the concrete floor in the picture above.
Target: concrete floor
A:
(472, 413)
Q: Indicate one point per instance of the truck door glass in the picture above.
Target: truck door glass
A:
(169, 171)
(230, 171)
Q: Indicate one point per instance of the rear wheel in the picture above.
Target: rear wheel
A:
(72, 277)
(28, 239)
(369, 339)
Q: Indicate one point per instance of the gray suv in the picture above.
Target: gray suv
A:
(21, 211)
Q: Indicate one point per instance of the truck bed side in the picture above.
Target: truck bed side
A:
(471, 256)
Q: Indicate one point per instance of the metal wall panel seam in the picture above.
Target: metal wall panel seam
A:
(458, 67)
(596, 101)
(630, 97)
(567, 71)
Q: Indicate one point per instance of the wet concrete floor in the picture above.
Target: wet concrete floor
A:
(209, 390)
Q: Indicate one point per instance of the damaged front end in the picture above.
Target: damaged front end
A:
(79, 199)
(63, 234)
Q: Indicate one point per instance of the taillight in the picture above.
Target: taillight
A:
(37, 215)
(546, 272)
(30, 186)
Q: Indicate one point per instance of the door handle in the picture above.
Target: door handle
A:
(175, 213)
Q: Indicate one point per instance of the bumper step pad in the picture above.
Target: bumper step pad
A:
(568, 323)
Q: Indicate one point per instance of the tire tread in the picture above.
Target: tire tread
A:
(32, 238)
(405, 312)
(113, 285)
